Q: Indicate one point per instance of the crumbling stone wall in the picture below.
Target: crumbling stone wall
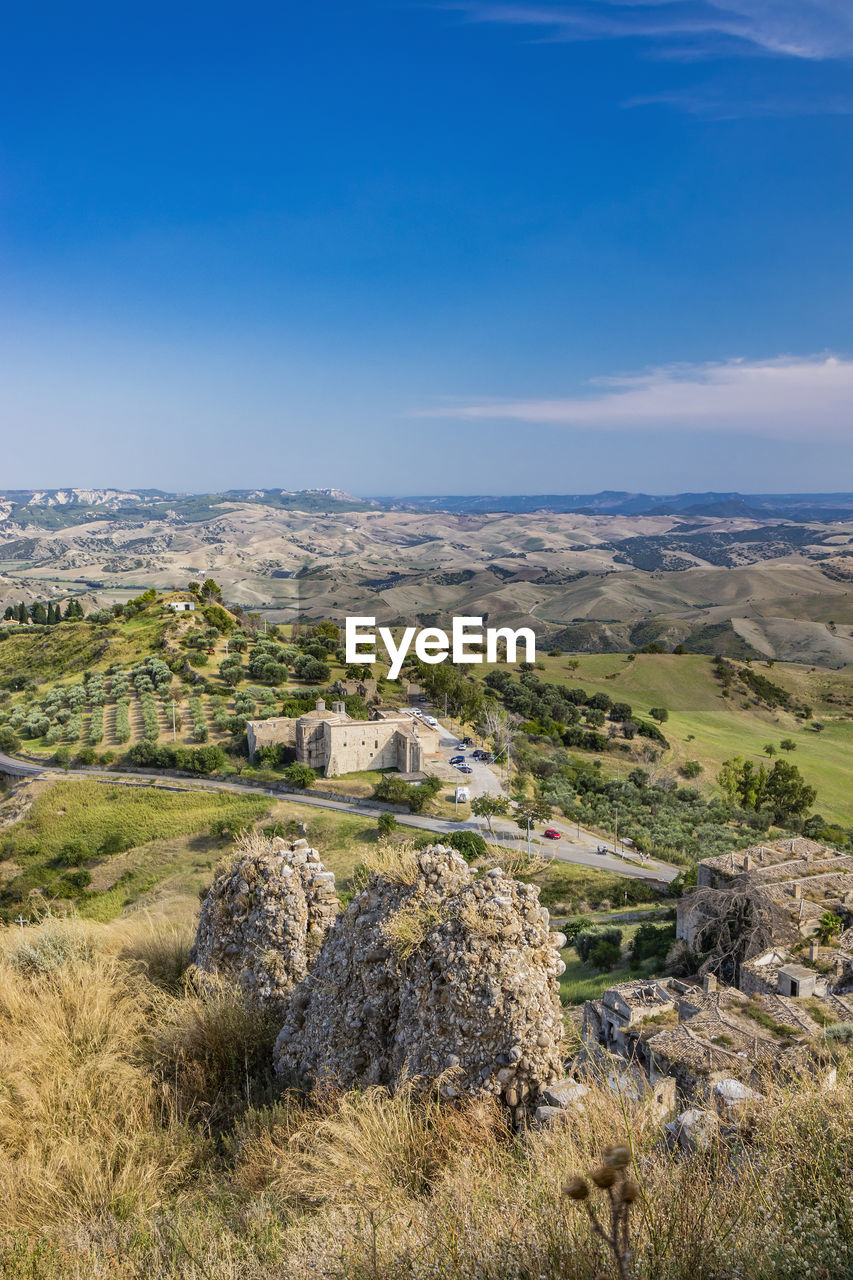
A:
(263, 919)
(433, 972)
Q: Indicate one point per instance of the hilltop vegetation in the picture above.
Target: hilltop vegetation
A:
(644, 739)
(602, 706)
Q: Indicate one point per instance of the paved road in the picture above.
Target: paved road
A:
(18, 768)
(578, 850)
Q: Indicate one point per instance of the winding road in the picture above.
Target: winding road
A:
(576, 846)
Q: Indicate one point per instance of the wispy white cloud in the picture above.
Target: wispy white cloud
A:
(713, 104)
(799, 398)
(805, 29)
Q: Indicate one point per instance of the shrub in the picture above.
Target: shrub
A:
(470, 844)
(96, 726)
(604, 955)
(115, 842)
(74, 853)
(585, 941)
(580, 924)
(9, 740)
(842, 1032)
(299, 775)
(77, 880)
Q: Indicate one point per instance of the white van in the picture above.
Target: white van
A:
(463, 795)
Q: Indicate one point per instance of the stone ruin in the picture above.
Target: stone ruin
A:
(432, 973)
(264, 918)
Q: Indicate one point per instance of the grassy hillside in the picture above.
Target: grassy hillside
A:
(101, 846)
(104, 847)
(704, 725)
(143, 1134)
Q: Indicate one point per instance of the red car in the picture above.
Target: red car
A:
(551, 833)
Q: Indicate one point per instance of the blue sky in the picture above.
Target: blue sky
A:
(428, 247)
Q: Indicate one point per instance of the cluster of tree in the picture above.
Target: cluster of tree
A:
(414, 796)
(599, 948)
(570, 713)
(150, 755)
(271, 663)
(782, 792)
(663, 819)
(450, 686)
(207, 590)
(44, 615)
(770, 693)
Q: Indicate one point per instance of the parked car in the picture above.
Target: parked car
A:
(551, 833)
(466, 742)
(481, 755)
(457, 759)
(430, 720)
(464, 768)
(463, 795)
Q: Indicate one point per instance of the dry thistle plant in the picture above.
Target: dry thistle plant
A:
(613, 1177)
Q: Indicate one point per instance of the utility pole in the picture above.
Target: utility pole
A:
(456, 796)
(616, 833)
(528, 837)
(174, 721)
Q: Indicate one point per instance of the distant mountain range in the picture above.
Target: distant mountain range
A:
(23, 504)
(755, 506)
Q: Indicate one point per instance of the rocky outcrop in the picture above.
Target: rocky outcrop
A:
(263, 919)
(433, 973)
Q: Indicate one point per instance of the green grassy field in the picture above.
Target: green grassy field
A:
(705, 726)
(65, 844)
(569, 890)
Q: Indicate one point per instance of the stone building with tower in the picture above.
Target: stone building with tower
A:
(328, 739)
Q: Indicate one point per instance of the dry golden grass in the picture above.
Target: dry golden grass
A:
(84, 1130)
(142, 1135)
(396, 862)
(409, 927)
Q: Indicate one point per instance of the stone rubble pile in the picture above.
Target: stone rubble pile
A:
(433, 973)
(263, 919)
